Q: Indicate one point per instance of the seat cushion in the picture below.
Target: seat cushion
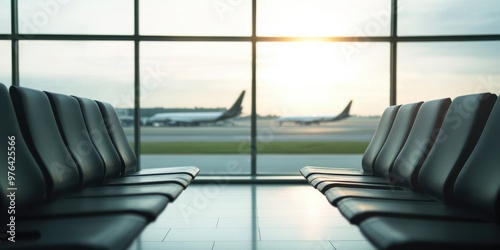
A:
(182, 179)
(348, 178)
(311, 170)
(170, 190)
(337, 172)
(324, 186)
(336, 194)
(96, 232)
(193, 171)
(149, 206)
(408, 234)
(358, 209)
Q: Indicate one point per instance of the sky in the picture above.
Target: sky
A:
(311, 78)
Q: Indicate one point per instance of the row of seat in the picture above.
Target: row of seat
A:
(430, 177)
(70, 176)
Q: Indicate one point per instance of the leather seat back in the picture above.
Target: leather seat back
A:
(44, 140)
(74, 132)
(118, 137)
(99, 135)
(422, 136)
(379, 137)
(458, 136)
(396, 139)
(28, 178)
(478, 184)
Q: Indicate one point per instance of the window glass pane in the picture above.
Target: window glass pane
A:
(4, 16)
(99, 70)
(5, 63)
(301, 85)
(186, 87)
(429, 71)
(196, 17)
(323, 18)
(76, 17)
(448, 17)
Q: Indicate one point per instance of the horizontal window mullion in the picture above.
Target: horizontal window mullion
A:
(458, 38)
(249, 39)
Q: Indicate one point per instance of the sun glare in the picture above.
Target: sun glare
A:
(304, 76)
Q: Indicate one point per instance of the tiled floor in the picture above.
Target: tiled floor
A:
(212, 216)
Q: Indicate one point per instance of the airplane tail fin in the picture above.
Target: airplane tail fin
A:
(235, 110)
(345, 112)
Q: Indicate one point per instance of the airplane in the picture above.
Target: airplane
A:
(195, 118)
(309, 120)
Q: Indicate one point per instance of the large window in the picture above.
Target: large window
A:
(252, 87)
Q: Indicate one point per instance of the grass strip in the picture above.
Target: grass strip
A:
(262, 147)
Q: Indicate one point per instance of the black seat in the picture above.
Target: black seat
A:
(476, 190)
(113, 231)
(388, 153)
(407, 165)
(371, 152)
(61, 173)
(112, 158)
(92, 169)
(32, 183)
(129, 159)
(458, 136)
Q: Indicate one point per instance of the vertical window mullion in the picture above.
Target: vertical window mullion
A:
(393, 53)
(15, 42)
(253, 145)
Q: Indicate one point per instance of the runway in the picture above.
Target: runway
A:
(352, 129)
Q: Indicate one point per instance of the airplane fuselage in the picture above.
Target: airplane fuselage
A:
(305, 120)
(196, 118)
(184, 118)
(309, 120)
